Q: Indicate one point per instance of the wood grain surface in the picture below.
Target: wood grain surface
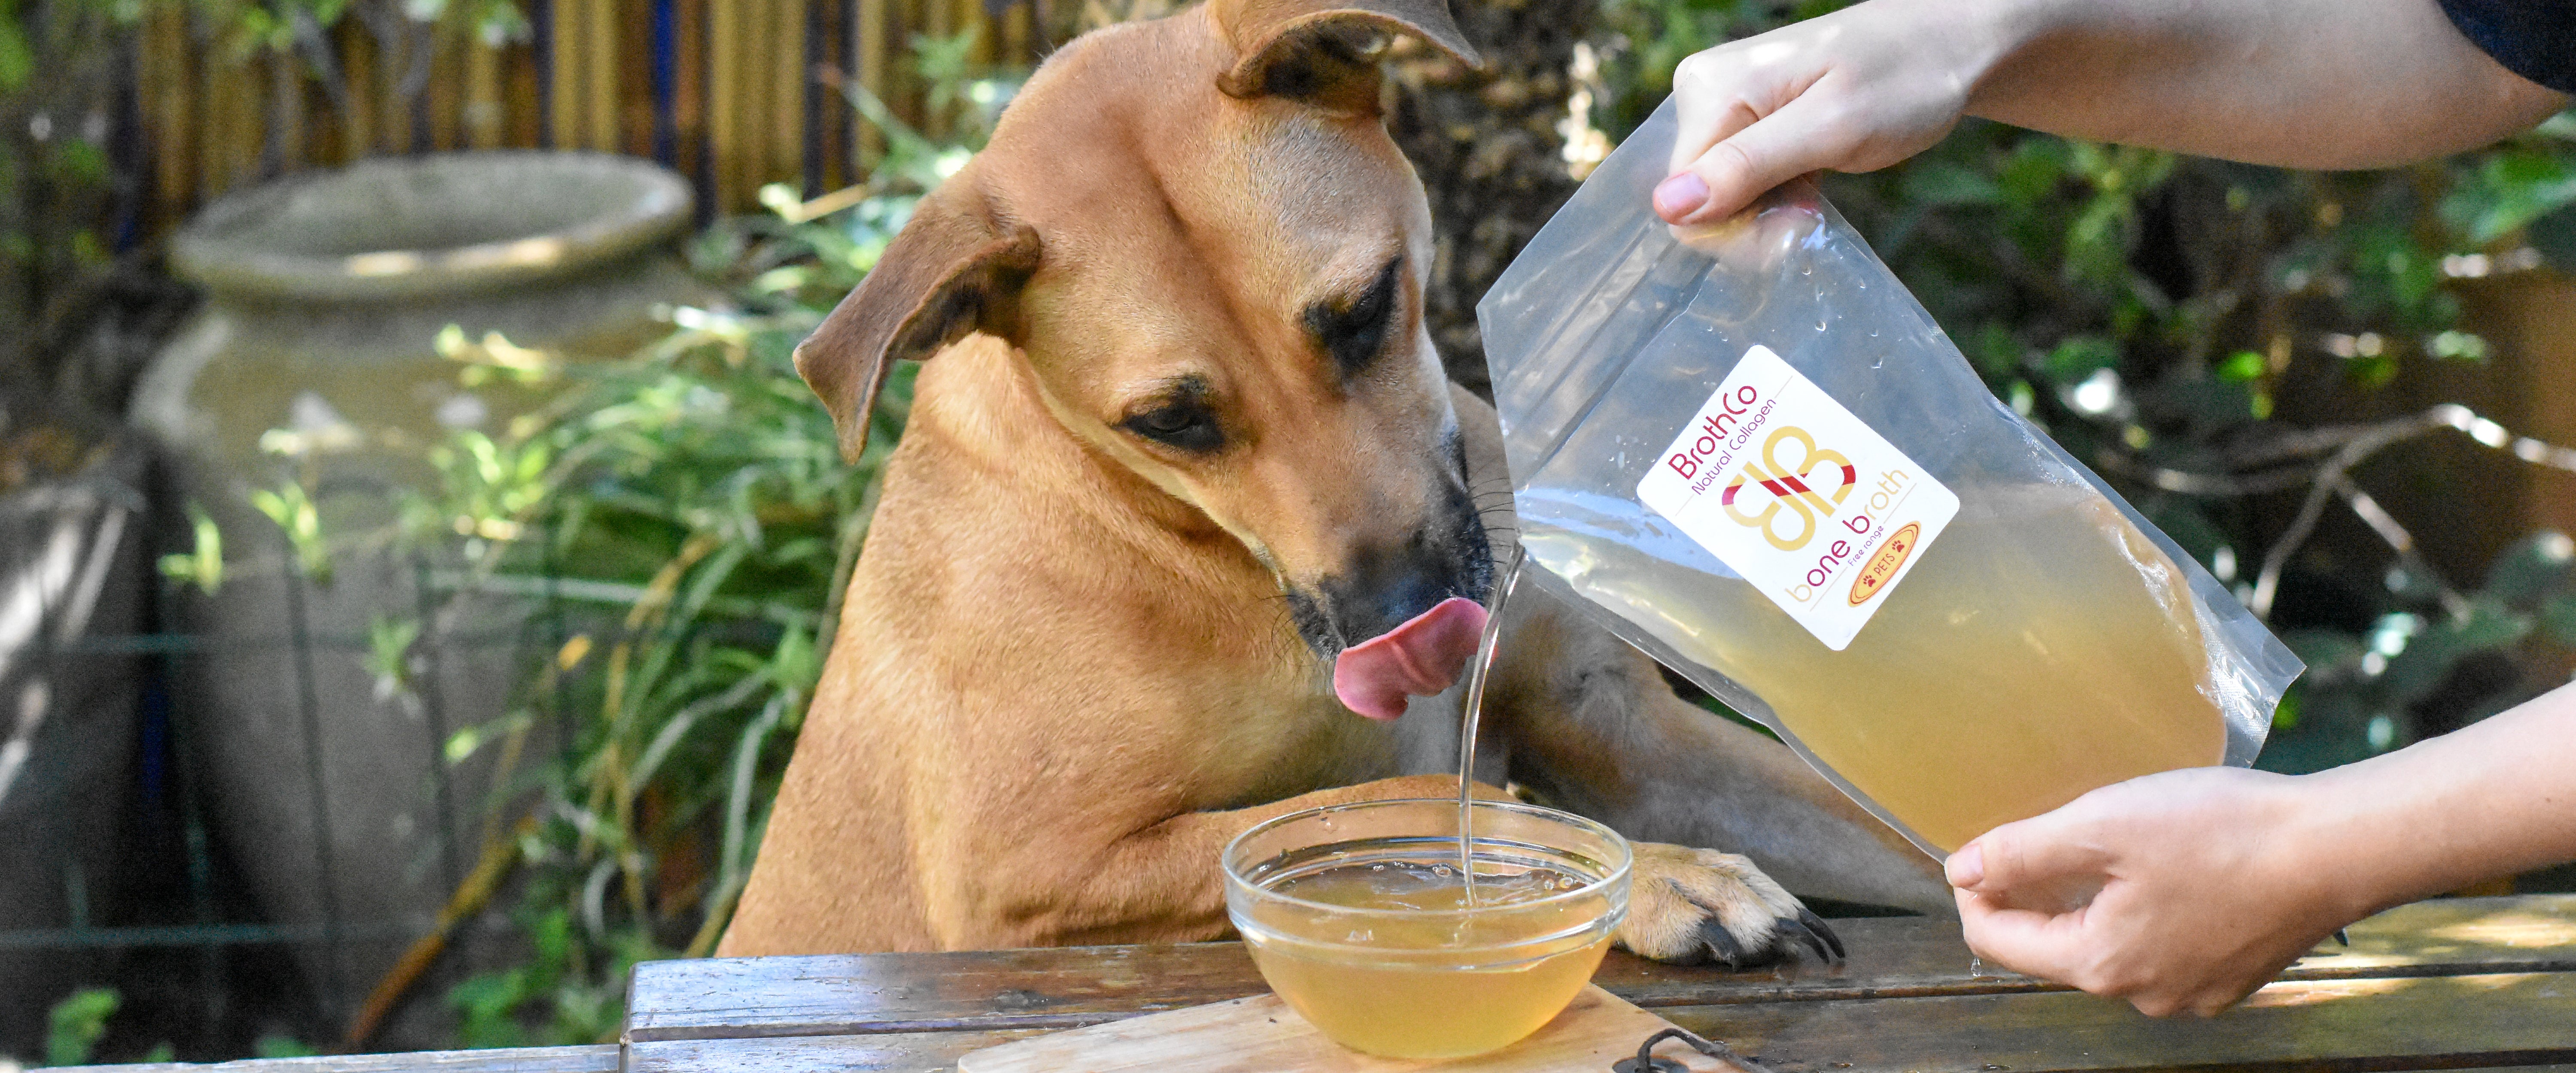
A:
(601, 1058)
(1261, 1035)
(2456, 984)
(1073, 987)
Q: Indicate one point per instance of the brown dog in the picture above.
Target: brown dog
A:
(1185, 439)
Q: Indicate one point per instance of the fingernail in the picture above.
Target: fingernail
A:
(1966, 868)
(1680, 195)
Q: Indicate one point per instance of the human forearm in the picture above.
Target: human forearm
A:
(2300, 83)
(2495, 798)
(2295, 83)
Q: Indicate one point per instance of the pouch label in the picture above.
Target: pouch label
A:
(1787, 488)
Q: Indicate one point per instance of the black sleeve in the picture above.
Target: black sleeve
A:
(2532, 38)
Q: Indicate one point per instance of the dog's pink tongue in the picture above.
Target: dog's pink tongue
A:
(1420, 658)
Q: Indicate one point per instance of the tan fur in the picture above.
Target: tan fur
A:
(1066, 675)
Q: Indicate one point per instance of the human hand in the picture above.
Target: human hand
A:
(2181, 892)
(1856, 90)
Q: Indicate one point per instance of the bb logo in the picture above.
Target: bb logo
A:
(1791, 485)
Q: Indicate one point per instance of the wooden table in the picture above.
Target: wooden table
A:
(2455, 984)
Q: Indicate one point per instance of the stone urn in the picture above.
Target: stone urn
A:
(314, 360)
(73, 579)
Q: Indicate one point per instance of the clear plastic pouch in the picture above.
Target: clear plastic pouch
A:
(1750, 452)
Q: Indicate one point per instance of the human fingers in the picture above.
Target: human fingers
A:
(2050, 861)
(1722, 90)
(1804, 135)
(2050, 946)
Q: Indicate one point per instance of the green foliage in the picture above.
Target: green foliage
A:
(203, 564)
(75, 1024)
(2146, 309)
(277, 1045)
(694, 496)
(58, 65)
(63, 67)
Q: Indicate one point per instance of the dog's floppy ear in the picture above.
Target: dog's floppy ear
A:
(1313, 50)
(952, 270)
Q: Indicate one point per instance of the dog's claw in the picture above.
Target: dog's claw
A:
(1823, 930)
(1812, 931)
(1791, 928)
(1718, 941)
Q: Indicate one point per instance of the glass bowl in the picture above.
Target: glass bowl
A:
(1357, 917)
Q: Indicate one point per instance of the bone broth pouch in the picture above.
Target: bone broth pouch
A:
(1749, 451)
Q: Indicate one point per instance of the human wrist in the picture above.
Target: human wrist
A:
(2011, 59)
(2336, 835)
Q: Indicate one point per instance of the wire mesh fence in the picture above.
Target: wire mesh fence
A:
(217, 803)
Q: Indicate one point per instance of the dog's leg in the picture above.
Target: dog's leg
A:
(1158, 884)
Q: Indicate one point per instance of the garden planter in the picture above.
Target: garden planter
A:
(73, 573)
(325, 296)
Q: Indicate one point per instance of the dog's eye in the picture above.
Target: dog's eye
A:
(1354, 333)
(1186, 425)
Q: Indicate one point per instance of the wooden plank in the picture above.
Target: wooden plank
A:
(869, 33)
(173, 122)
(756, 55)
(828, 139)
(2522, 1022)
(908, 1052)
(395, 120)
(565, 48)
(724, 100)
(840, 994)
(1262, 1035)
(447, 84)
(600, 77)
(689, 88)
(2333, 1026)
(593, 1059)
(285, 117)
(520, 96)
(1069, 987)
(788, 75)
(484, 117)
(358, 76)
(1017, 33)
(635, 114)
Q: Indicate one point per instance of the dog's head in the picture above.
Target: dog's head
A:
(1212, 256)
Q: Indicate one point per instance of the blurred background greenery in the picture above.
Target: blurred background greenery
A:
(2322, 385)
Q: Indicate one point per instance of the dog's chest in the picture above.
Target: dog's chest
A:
(1253, 755)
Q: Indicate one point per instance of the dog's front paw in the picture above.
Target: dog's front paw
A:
(1688, 906)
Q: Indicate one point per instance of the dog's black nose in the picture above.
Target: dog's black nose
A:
(1381, 587)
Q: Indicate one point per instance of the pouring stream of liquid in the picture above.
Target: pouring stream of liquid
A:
(1475, 708)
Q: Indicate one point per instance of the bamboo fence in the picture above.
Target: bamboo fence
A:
(735, 94)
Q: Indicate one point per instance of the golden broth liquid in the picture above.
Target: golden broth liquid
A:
(2042, 648)
(1434, 986)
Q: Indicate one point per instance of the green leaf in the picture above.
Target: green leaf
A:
(2534, 568)
(74, 1025)
(2426, 660)
(280, 1045)
(389, 641)
(2322, 649)
(2558, 616)
(1941, 182)
(17, 60)
(2077, 357)
(2242, 365)
(2511, 189)
(2554, 235)
(75, 160)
